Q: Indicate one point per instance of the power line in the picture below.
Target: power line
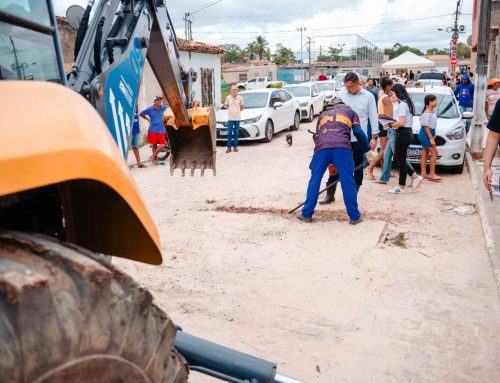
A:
(334, 28)
(204, 7)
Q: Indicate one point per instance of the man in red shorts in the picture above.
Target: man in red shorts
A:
(156, 132)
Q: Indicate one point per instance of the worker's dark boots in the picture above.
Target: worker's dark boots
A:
(330, 194)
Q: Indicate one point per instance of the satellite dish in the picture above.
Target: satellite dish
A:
(74, 14)
(469, 40)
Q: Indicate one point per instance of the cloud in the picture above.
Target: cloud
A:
(327, 22)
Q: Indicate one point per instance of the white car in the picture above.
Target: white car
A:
(311, 99)
(431, 83)
(266, 112)
(450, 130)
(330, 88)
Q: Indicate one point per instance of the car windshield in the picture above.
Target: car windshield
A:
(446, 108)
(254, 100)
(326, 85)
(299, 91)
(340, 78)
(431, 76)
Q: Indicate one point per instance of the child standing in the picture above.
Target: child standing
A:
(426, 136)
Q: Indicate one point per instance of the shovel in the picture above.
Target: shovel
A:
(329, 186)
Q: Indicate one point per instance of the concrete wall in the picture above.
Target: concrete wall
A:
(232, 75)
(197, 61)
(67, 35)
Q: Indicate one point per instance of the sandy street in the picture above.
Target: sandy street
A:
(327, 301)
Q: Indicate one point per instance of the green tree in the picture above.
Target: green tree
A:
(463, 50)
(283, 55)
(437, 51)
(398, 49)
(261, 46)
(233, 53)
(251, 51)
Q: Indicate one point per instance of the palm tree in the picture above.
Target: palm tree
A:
(261, 45)
(251, 50)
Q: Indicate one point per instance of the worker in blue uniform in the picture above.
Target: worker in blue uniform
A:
(333, 146)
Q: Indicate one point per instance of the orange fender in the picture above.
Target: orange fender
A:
(50, 135)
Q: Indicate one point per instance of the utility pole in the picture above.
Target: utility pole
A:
(310, 61)
(481, 78)
(187, 26)
(18, 66)
(454, 37)
(301, 29)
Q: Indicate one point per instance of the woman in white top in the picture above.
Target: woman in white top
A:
(404, 137)
(426, 136)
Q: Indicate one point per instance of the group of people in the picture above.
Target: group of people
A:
(349, 129)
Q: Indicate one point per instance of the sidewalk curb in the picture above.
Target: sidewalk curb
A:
(494, 256)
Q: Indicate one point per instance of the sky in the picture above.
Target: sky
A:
(326, 22)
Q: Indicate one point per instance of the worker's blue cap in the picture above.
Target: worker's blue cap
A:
(158, 98)
(465, 76)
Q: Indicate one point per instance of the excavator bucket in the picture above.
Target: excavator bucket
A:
(192, 147)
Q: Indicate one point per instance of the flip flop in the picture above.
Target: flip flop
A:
(142, 166)
(435, 179)
(371, 175)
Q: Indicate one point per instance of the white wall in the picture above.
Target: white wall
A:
(196, 61)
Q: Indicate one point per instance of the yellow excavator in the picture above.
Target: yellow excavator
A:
(68, 201)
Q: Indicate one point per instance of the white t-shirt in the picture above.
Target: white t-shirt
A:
(401, 109)
(428, 119)
(233, 105)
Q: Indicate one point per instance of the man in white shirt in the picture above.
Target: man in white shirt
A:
(363, 103)
(234, 105)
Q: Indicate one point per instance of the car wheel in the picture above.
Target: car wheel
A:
(457, 169)
(296, 122)
(269, 132)
(311, 114)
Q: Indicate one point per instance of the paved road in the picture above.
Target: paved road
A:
(327, 301)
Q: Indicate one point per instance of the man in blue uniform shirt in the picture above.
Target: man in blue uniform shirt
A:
(333, 146)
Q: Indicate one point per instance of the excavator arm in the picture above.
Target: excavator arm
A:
(110, 56)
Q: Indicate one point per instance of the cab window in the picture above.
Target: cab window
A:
(35, 10)
(27, 55)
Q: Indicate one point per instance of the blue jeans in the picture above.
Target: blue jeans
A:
(342, 159)
(233, 128)
(467, 123)
(389, 152)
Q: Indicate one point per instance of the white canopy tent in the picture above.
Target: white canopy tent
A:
(408, 60)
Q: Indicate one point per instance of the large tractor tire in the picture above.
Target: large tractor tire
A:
(66, 315)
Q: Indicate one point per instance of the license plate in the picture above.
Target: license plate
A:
(412, 151)
(223, 132)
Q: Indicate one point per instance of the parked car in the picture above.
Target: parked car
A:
(311, 99)
(266, 112)
(330, 89)
(258, 83)
(431, 75)
(450, 130)
(431, 82)
(340, 78)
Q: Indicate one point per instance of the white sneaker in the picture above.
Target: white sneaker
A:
(414, 182)
(396, 190)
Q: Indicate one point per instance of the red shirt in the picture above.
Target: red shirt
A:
(322, 77)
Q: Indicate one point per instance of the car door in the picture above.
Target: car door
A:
(289, 108)
(277, 113)
(252, 83)
(317, 99)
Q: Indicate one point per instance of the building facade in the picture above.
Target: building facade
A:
(234, 73)
(493, 41)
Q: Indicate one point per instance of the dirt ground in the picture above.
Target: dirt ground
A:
(327, 301)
